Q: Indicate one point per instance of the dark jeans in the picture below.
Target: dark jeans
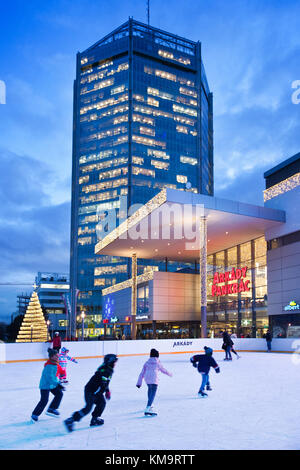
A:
(58, 394)
(228, 353)
(152, 388)
(91, 399)
(269, 345)
(205, 381)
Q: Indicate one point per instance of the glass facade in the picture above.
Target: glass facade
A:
(242, 308)
(142, 122)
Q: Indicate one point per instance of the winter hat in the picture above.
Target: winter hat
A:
(208, 351)
(51, 352)
(154, 353)
(64, 350)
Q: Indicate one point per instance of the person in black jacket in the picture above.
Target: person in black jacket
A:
(227, 345)
(269, 340)
(204, 362)
(93, 393)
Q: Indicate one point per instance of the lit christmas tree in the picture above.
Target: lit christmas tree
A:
(34, 327)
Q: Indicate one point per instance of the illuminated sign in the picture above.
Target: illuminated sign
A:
(105, 320)
(142, 317)
(237, 275)
(127, 318)
(114, 320)
(292, 306)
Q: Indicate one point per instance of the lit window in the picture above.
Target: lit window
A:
(142, 171)
(181, 178)
(160, 165)
(147, 131)
(152, 102)
(182, 129)
(181, 109)
(188, 160)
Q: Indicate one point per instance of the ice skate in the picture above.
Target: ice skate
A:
(208, 387)
(69, 423)
(51, 412)
(149, 411)
(96, 422)
(34, 419)
(202, 394)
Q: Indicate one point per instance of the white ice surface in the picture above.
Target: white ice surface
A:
(254, 405)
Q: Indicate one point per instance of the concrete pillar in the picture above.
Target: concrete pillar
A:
(133, 295)
(203, 275)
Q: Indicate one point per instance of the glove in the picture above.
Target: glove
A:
(217, 369)
(138, 386)
(107, 395)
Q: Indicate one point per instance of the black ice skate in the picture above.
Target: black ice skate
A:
(34, 419)
(202, 394)
(51, 412)
(69, 423)
(208, 387)
(96, 422)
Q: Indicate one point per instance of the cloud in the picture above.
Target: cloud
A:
(34, 233)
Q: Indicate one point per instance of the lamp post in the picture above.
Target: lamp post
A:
(82, 325)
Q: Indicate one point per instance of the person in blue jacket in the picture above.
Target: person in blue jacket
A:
(49, 383)
(204, 362)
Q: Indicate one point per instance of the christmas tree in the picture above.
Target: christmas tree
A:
(34, 327)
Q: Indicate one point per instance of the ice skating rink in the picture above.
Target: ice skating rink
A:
(254, 405)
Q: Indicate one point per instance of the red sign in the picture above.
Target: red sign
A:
(106, 320)
(238, 275)
(127, 318)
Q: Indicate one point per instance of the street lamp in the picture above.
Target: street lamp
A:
(82, 318)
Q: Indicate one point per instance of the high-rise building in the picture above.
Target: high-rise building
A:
(143, 120)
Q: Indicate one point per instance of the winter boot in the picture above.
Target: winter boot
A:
(96, 422)
(51, 412)
(202, 394)
(69, 423)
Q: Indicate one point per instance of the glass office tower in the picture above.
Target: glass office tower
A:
(142, 121)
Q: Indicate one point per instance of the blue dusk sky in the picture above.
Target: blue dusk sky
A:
(251, 52)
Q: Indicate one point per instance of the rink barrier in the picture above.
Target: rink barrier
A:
(34, 352)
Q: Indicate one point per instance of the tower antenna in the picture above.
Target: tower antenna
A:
(148, 12)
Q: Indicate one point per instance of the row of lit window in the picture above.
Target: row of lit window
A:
(184, 110)
(122, 268)
(107, 164)
(167, 96)
(105, 73)
(85, 230)
(97, 86)
(106, 206)
(158, 154)
(108, 112)
(113, 173)
(103, 196)
(169, 55)
(143, 171)
(169, 76)
(159, 113)
(185, 130)
(105, 185)
(105, 103)
(149, 142)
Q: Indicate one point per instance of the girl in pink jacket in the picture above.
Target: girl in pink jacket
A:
(150, 374)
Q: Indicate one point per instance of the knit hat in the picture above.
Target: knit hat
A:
(208, 351)
(51, 352)
(64, 350)
(154, 353)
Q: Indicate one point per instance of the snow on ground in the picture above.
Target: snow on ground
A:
(254, 405)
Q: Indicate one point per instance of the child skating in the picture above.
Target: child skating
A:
(204, 362)
(93, 394)
(62, 359)
(150, 374)
(49, 383)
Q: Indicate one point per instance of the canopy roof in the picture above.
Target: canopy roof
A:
(168, 226)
